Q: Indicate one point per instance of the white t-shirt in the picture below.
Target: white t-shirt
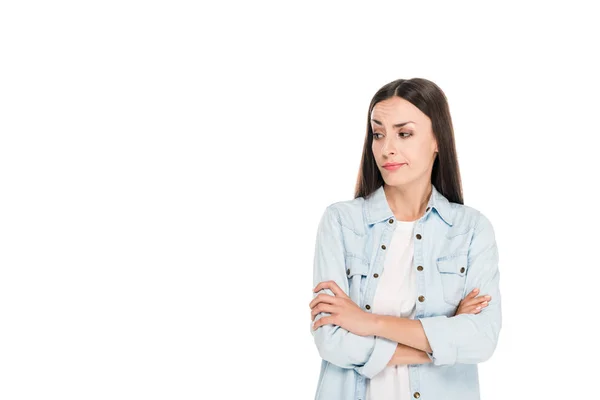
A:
(395, 295)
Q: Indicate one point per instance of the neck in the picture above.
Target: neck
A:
(408, 203)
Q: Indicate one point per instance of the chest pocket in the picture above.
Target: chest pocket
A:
(453, 272)
(356, 270)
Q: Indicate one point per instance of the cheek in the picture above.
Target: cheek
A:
(374, 149)
(421, 150)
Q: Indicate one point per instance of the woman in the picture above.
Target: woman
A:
(398, 270)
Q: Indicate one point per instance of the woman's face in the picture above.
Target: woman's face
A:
(402, 134)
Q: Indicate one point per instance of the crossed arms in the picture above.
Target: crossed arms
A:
(464, 338)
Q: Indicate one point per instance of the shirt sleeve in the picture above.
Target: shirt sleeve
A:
(471, 338)
(367, 355)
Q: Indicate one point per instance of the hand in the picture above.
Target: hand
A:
(344, 312)
(471, 304)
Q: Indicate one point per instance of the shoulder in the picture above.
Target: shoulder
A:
(469, 217)
(474, 221)
(349, 214)
(479, 219)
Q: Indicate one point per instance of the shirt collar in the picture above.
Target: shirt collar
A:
(377, 208)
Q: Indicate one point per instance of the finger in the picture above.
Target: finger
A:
(321, 298)
(472, 294)
(323, 321)
(471, 302)
(320, 286)
(324, 298)
(322, 307)
(477, 300)
(467, 302)
(328, 308)
(331, 285)
(481, 299)
(480, 307)
(470, 310)
(469, 296)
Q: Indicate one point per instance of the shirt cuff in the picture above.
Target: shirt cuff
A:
(380, 357)
(436, 330)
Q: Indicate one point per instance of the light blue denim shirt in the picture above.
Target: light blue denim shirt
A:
(455, 252)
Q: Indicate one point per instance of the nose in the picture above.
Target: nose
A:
(388, 147)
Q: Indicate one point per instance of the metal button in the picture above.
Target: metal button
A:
(462, 269)
(417, 395)
(418, 236)
(421, 299)
(383, 246)
(376, 275)
(391, 221)
(348, 271)
(368, 307)
(420, 268)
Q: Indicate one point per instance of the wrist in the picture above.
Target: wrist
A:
(394, 360)
(375, 324)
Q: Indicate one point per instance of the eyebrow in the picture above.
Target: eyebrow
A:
(400, 125)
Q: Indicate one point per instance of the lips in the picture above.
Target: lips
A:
(393, 166)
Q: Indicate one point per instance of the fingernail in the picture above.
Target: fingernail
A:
(488, 297)
(484, 303)
(478, 308)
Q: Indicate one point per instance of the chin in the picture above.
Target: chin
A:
(395, 181)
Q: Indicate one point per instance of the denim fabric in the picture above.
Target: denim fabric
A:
(456, 247)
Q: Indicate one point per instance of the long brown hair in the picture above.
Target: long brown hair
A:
(431, 100)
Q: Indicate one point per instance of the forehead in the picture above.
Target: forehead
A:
(396, 109)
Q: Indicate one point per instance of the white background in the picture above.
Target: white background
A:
(163, 166)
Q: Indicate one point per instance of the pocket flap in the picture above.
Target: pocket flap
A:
(454, 264)
(356, 266)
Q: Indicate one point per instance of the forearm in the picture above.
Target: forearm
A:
(408, 355)
(402, 330)
(367, 355)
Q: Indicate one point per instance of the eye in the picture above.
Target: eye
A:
(408, 134)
